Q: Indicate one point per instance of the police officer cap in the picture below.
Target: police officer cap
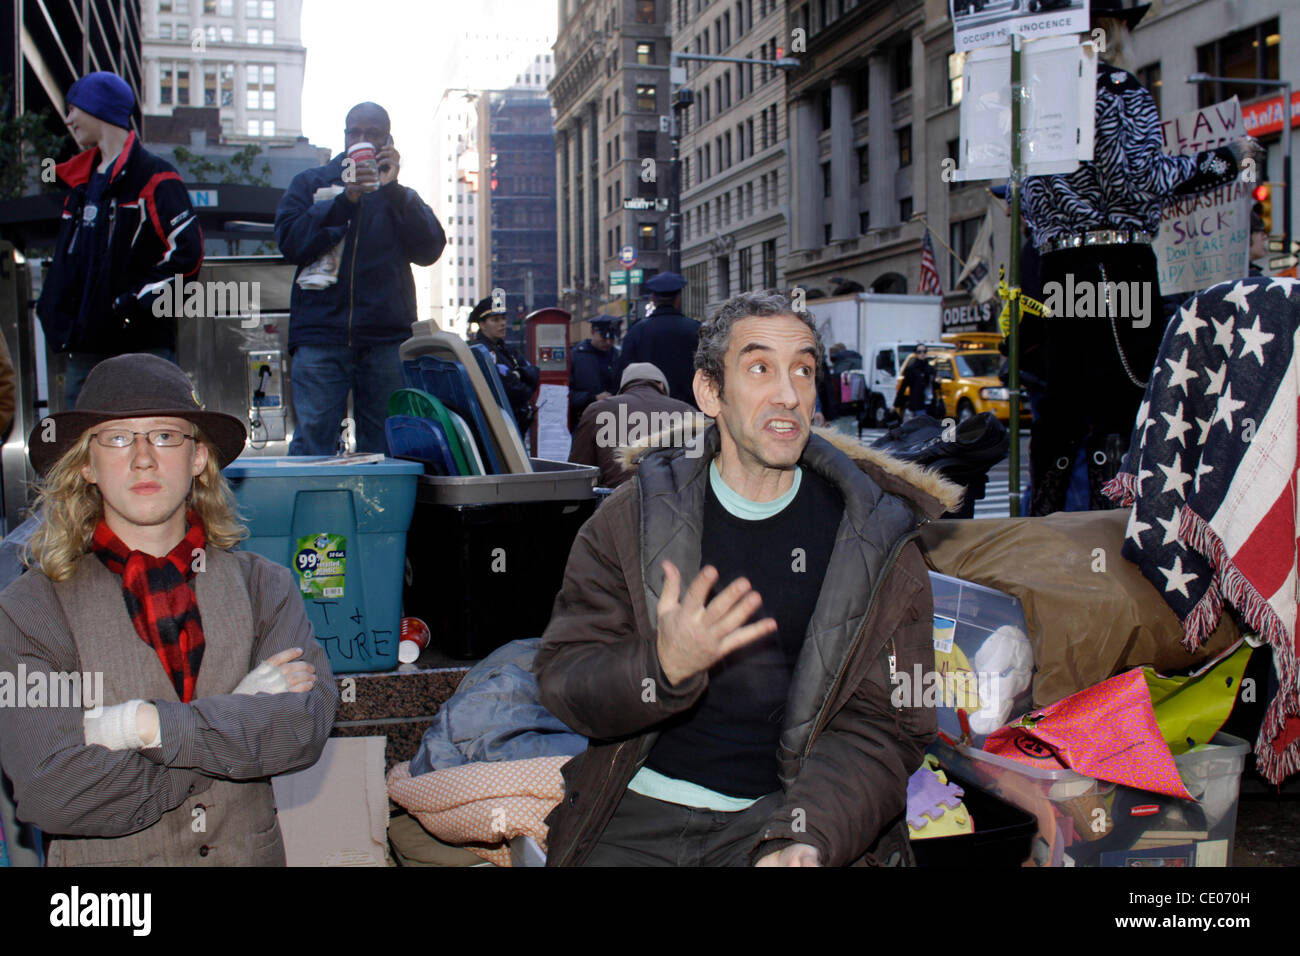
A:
(484, 308)
(610, 322)
(665, 283)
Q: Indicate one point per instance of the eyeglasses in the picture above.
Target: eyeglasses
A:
(158, 437)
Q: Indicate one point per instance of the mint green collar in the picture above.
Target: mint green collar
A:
(740, 506)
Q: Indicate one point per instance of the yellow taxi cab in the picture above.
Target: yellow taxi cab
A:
(966, 377)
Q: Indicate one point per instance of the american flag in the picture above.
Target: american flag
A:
(1211, 474)
(929, 272)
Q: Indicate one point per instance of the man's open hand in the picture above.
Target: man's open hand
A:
(796, 854)
(694, 636)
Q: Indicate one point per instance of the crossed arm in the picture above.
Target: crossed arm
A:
(65, 785)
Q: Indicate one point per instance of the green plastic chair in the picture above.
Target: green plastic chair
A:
(413, 401)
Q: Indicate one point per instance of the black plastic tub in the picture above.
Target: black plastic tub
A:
(1003, 837)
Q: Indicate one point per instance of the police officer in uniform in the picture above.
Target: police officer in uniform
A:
(591, 367)
(667, 339)
(519, 376)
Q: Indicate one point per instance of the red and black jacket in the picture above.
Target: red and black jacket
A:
(146, 234)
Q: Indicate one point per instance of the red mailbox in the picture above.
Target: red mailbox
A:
(548, 349)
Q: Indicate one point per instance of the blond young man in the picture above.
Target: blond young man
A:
(212, 681)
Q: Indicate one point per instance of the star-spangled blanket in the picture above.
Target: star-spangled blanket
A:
(1211, 475)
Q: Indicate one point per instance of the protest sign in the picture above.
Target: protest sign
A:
(981, 23)
(1204, 239)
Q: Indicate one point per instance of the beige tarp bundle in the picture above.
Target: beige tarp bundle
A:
(1090, 612)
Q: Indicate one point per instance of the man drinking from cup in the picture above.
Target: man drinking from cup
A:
(348, 321)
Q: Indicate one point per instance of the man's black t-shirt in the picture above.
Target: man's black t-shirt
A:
(727, 741)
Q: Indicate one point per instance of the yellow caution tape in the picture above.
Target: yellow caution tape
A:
(1028, 305)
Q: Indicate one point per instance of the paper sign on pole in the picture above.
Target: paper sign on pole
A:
(1204, 239)
(983, 23)
(1057, 117)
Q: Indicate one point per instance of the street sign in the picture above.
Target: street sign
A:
(617, 289)
(638, 203)
(627, 256)
(616, 277)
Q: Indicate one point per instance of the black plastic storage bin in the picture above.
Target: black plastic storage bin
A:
(1003, 837)
(485, 555)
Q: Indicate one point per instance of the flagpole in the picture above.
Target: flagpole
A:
(951, 251)
(1013, 281)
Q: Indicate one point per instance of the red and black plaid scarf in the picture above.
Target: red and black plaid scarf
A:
(161, 600)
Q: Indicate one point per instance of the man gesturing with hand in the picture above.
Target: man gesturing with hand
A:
(694, 636)
(744, 718)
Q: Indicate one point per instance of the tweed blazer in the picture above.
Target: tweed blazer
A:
(204, 797)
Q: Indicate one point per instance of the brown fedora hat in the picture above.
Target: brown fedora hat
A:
(137, 385)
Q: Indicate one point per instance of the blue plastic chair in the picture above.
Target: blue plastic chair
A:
(488, 366)
(450, 384)
(423, 440)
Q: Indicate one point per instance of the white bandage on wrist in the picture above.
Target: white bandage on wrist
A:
(115, 727)
(263, 679)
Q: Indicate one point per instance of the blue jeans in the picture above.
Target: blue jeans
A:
(79, 366)
(322, 377)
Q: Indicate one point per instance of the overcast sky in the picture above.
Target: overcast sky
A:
(396, 53)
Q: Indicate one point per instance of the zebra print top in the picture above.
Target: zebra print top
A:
(1129, 178)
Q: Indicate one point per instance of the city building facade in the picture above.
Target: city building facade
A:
(735, 151)
(859, 146)
(612, 151)
(243, 57)
(464, 123)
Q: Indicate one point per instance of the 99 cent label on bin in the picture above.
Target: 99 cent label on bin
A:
(320, 562)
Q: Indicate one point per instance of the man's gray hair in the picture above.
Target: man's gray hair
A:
(715, 334)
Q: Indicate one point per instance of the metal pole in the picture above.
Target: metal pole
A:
(675, 195)
(1013, 281)
(1286, 171)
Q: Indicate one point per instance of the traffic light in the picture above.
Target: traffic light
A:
(1263, 194)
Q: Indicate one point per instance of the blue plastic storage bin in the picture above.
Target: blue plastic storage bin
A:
(341, 529)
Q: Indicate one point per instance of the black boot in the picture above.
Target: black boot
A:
(1049, 482)
(1104, 459)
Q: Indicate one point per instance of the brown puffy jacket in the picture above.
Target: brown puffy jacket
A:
(845, 752)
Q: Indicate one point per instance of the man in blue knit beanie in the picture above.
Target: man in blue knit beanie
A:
(127, 231)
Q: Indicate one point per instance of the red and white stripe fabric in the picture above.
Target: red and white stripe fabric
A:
(1211, 473)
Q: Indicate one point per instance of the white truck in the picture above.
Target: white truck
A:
(884, 330)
